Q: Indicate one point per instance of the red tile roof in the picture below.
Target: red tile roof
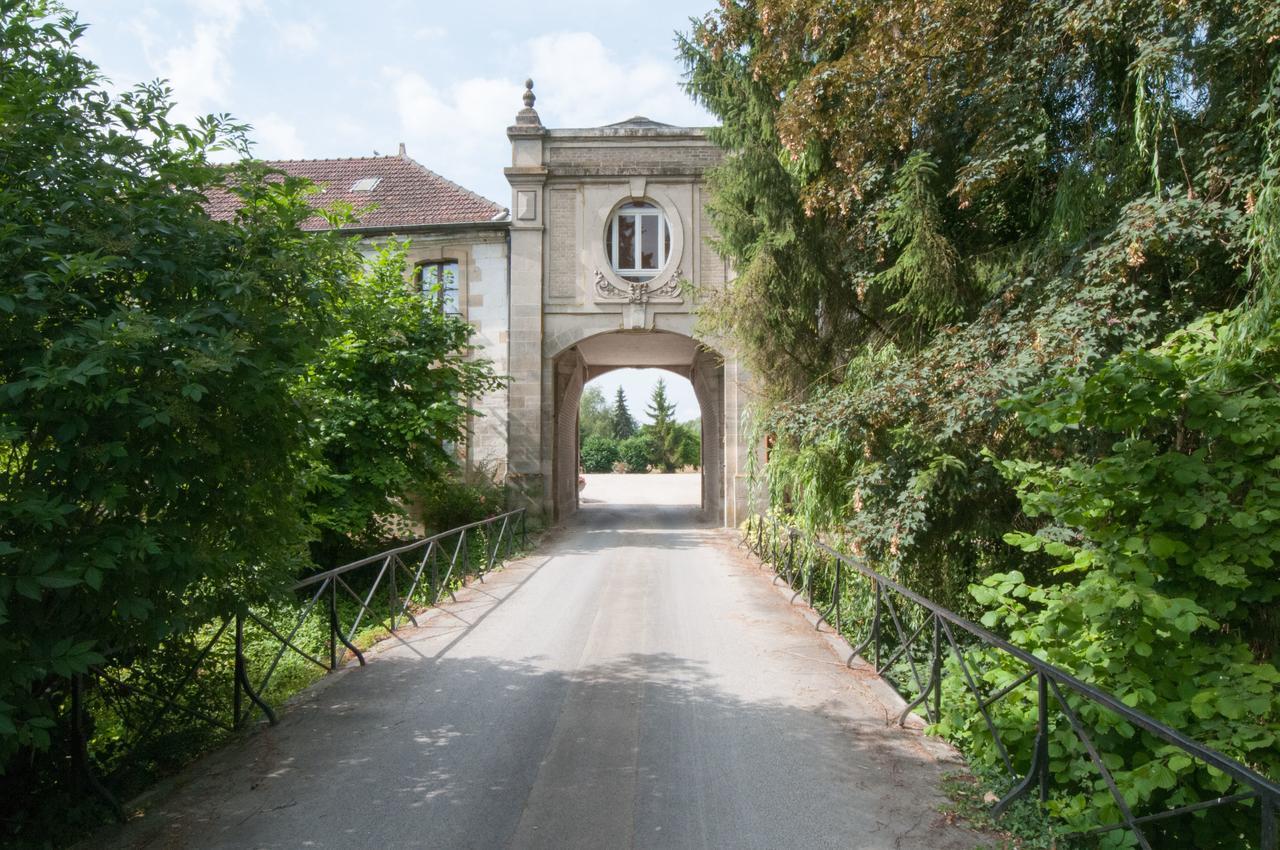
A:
(406, 194)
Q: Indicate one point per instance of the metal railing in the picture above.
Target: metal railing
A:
(395, 584)
(936, 642)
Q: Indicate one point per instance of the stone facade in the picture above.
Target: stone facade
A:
(573, 317)
(548, 308)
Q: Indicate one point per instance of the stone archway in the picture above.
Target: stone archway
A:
(595, 355)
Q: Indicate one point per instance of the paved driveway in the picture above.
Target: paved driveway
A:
(636, 683)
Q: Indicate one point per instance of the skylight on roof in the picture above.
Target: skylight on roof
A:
(366, 184)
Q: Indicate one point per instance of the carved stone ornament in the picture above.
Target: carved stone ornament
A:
(639, 293)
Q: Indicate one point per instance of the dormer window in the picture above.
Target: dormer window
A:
(637, 240)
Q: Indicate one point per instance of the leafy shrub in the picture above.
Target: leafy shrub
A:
(636, 452)
(150, 443)
(183, 401)
(454, 501)
(1168, 545)
(689, 453)
(388, 393)
(599, 453)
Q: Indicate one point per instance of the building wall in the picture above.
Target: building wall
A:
(565, 186)
(481, 254)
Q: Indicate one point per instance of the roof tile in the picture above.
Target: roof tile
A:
(406, 194)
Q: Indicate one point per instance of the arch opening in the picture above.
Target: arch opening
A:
(640, 439)
(593, 357)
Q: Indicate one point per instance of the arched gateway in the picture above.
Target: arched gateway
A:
(589, 271)
(608, 231)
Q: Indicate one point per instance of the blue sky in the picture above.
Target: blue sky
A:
(325, 78)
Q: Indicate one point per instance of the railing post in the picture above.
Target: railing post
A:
(875, 628)
(1268, 830)
(435, 574)
(333, 625)
(237, 697)
(937, 670)
(791, 555)
(524, 529)
(391, 586)
(811, 561)
(466, 554)
(1038, 772)
(1042, 736)
(80, 750)
(838, 591)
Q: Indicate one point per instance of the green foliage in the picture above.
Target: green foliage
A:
(1023, 827)
(149, 438)
(453, 500)
(599, 453)
(690, 453)
(938, 208)
(663, 431)
(595, 419)
(184, 403)
(624, 425)
(637, 452)
(1168, 544)
(389, 395)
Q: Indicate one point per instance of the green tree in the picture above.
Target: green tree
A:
(595, 419)
(1023, 201)
(690, 453)
(664, 429)
(150, 441)
(636, 452)
(599, 453)
(624, 425)
(1170, 540)
(388, 393)
(1007, 193)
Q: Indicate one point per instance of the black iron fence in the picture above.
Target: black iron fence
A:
(154, 702)
(919, 646)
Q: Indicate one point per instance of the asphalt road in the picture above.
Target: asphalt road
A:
(636, 683)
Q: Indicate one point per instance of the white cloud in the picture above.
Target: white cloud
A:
(276, 138)
(459, 130)
(196, 64)
(429, 33)
(580, 84)
(298, 36)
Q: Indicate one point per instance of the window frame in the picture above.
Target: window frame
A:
(443, 303)
(638, 210)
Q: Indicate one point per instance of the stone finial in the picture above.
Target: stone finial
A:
(528, 117)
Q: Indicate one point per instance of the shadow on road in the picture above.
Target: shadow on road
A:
(444, 754)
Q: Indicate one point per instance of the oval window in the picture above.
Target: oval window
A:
(637, 241)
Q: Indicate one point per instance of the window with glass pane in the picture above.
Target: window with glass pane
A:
(439, 282)
(637, 240)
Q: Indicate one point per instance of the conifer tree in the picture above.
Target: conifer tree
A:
(624, 425)
(666, 434)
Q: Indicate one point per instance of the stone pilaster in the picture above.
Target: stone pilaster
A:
(527, 176)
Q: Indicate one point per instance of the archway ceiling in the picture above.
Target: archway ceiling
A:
(641, 350)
